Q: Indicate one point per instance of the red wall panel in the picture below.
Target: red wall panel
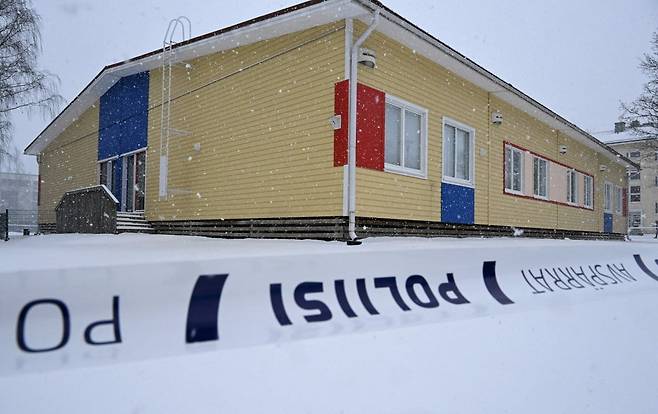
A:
(370, 114)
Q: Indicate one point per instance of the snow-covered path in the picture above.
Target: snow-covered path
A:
(561, 326)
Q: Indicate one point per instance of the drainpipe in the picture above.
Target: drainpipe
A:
(351, 165)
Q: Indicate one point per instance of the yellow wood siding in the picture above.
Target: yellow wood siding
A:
(266, 145)
(520, 129)
(402, 73)
(616, 175)
(69, 163)
(405, 74)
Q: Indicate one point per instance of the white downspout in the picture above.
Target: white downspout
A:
(351, 164)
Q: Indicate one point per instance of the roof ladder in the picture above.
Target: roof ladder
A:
(183, 27)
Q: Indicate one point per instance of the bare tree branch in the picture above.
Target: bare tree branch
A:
(642, 114)
(22, 84)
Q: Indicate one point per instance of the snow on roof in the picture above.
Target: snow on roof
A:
(612, 137)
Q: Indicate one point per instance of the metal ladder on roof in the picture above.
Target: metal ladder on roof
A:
(183, 26)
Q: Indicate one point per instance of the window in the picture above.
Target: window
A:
(406, 132)
(657, 208)
(540, 177)
(635, 219)
(589, 191)
(572, 186)
(513, 169)
(634, 175)
(107, 170)
(618, 200)
(635, 193)
(634, 154)
(607, 198)
(656, 179)
(458, 143)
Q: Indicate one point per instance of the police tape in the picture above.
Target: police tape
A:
(71, 318)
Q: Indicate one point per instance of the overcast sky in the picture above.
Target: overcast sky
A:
(579, 58)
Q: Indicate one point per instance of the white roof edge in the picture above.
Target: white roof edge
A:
(314, 15)
(290, 22)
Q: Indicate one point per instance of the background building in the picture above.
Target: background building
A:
(18, 194)
(642, 184)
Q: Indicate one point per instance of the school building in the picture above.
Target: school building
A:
(248, 131)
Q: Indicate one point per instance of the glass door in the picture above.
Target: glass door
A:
(134, 178)
(140, 180)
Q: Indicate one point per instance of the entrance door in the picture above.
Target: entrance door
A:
(134, 178)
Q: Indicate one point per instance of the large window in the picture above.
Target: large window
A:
(588, 193)
(618, 199)
(406, 135)
(513, 169)
(458, 143)
(540, 177)
(635, 193)
(607, 197)
(572, 186)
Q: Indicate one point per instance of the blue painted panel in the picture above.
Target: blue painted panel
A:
(457, 204)
(607, 222)
(123, 118)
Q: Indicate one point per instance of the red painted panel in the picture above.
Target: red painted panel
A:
(341, 107)
(370, 138)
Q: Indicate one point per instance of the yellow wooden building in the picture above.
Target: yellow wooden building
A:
(246, 132)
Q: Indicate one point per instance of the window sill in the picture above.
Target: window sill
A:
(514, 192)
(390, 168)
(457, 181)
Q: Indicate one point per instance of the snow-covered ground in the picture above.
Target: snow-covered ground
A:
(556, 347)
(67, 250)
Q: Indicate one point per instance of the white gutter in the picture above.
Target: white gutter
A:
(351, 165)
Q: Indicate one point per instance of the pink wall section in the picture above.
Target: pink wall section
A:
(528, 174)
(558, 183)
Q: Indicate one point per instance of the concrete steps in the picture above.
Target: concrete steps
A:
(131, 222)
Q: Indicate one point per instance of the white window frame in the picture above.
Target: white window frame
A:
(572, 191)
(588, 196)
(618, 199)
(630, 194)
(471, 156)
(548, 179)
(104, 162)
(424, 113)
(514, 149)
(608, 189)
